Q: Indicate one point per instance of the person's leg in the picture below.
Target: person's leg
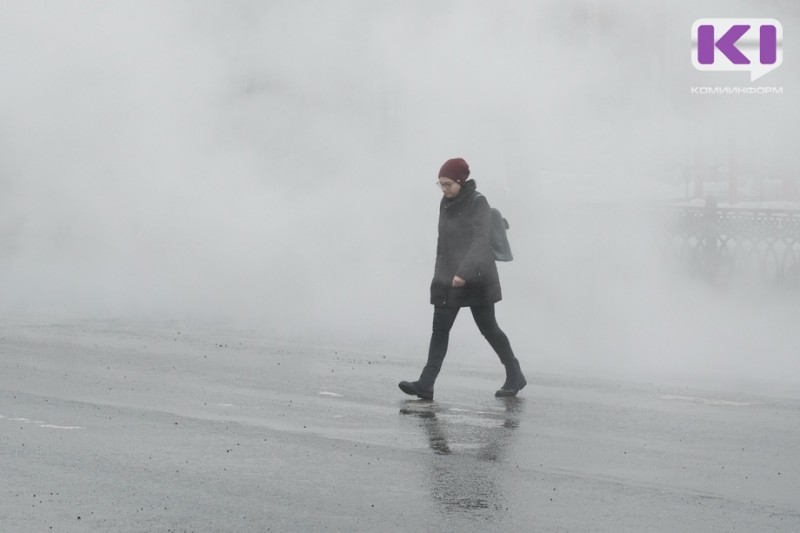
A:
(443, 319)
(484, 316)
(486, 321)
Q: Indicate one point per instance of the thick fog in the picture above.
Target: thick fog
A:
(272, 165)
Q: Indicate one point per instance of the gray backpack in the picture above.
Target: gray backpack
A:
(498, 239)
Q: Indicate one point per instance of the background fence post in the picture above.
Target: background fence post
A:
(711, 237)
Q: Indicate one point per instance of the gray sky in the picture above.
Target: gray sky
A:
(273, 164)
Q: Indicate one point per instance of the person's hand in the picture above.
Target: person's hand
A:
(458, 282)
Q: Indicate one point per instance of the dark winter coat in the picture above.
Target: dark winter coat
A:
(463, 250)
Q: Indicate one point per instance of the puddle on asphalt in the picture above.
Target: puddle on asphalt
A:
(468, 445)
(464, 429)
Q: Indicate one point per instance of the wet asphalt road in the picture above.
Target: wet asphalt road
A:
(153, 427)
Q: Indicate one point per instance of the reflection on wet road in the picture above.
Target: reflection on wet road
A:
(466, 446)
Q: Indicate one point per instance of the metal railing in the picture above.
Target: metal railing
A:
(734, 241)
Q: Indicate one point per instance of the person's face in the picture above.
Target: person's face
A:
(450, 188)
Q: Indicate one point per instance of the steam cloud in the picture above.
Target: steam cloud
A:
(273, 165)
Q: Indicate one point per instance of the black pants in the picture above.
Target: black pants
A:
(443, 320)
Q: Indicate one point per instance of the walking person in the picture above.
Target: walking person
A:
(465, 275)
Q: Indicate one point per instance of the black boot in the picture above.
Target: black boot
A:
(515, 381)
(414, 388)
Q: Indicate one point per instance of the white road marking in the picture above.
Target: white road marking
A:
(729, 403)
(39, 423)
(456, 410)
(324, 393)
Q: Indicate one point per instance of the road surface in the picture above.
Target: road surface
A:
(114, 426)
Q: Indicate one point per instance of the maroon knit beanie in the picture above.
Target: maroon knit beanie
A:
(456, 169)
